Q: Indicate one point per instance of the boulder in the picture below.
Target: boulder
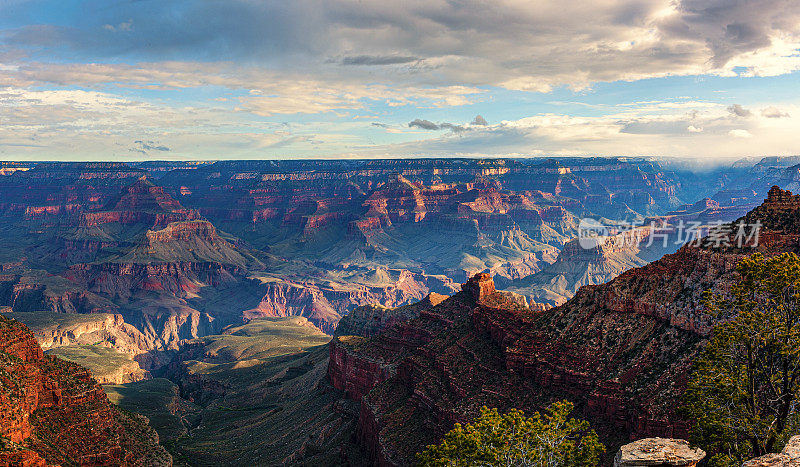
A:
(658, 452)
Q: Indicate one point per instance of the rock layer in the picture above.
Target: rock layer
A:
(53, 411)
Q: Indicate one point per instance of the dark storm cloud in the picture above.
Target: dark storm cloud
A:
(519, 45)
(731, 28)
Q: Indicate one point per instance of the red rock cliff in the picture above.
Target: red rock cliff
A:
(53, 412)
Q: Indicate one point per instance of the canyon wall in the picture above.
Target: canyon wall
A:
(53, 412)
(620, 351)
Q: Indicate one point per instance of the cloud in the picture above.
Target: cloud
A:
(121, 27)
(59, 124)
(452, 127)
(644, 128)
(515, 44)
(738, 133)
(146, 147)
(479, 121)
(268, 92)
(739, 111)
(773, 112)
(103, 75)
(429, 125)
(424, 124)
(377, 60)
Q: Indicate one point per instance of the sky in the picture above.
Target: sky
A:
(714, 80)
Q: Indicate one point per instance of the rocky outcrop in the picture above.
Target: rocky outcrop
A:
(26, 291)
(324, 302)
(140, 203)
(84, 335)
(661, 452)
(592, 261)
(128, 372)
(789, 456)
(53, 411)
(353, 372)
(122, 280)
(167, 329)
(479, 287)
(431, 366)
(53, 330)
(371, 320)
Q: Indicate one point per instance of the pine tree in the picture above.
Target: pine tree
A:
(742, 396)
(511, 439)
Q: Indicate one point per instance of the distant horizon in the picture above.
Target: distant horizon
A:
(698, 163)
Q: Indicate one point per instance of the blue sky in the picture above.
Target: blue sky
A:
(141, 79)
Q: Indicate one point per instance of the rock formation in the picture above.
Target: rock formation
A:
(479, 287)
(53, 330)
(183, 250)
(790, 456)
(371, 320)
(160, 243)
(53, 412)
(140, 203)
(661, 452)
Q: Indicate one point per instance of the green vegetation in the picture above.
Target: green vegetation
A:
(236, 395)
(106, 364)
(493, 439)
(46, 321)
(260, 339)
(159, 401)
(743, 392)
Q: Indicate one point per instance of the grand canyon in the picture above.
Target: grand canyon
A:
(433, 233)
(353, 312)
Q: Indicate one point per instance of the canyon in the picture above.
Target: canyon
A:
(170, 247)
(621, 351)
(175, 279)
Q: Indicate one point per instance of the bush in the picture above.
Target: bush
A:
(512, 439)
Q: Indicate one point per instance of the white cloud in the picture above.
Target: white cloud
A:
(773, 112)
(705, 132)
(739, 133)
(269, 92)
